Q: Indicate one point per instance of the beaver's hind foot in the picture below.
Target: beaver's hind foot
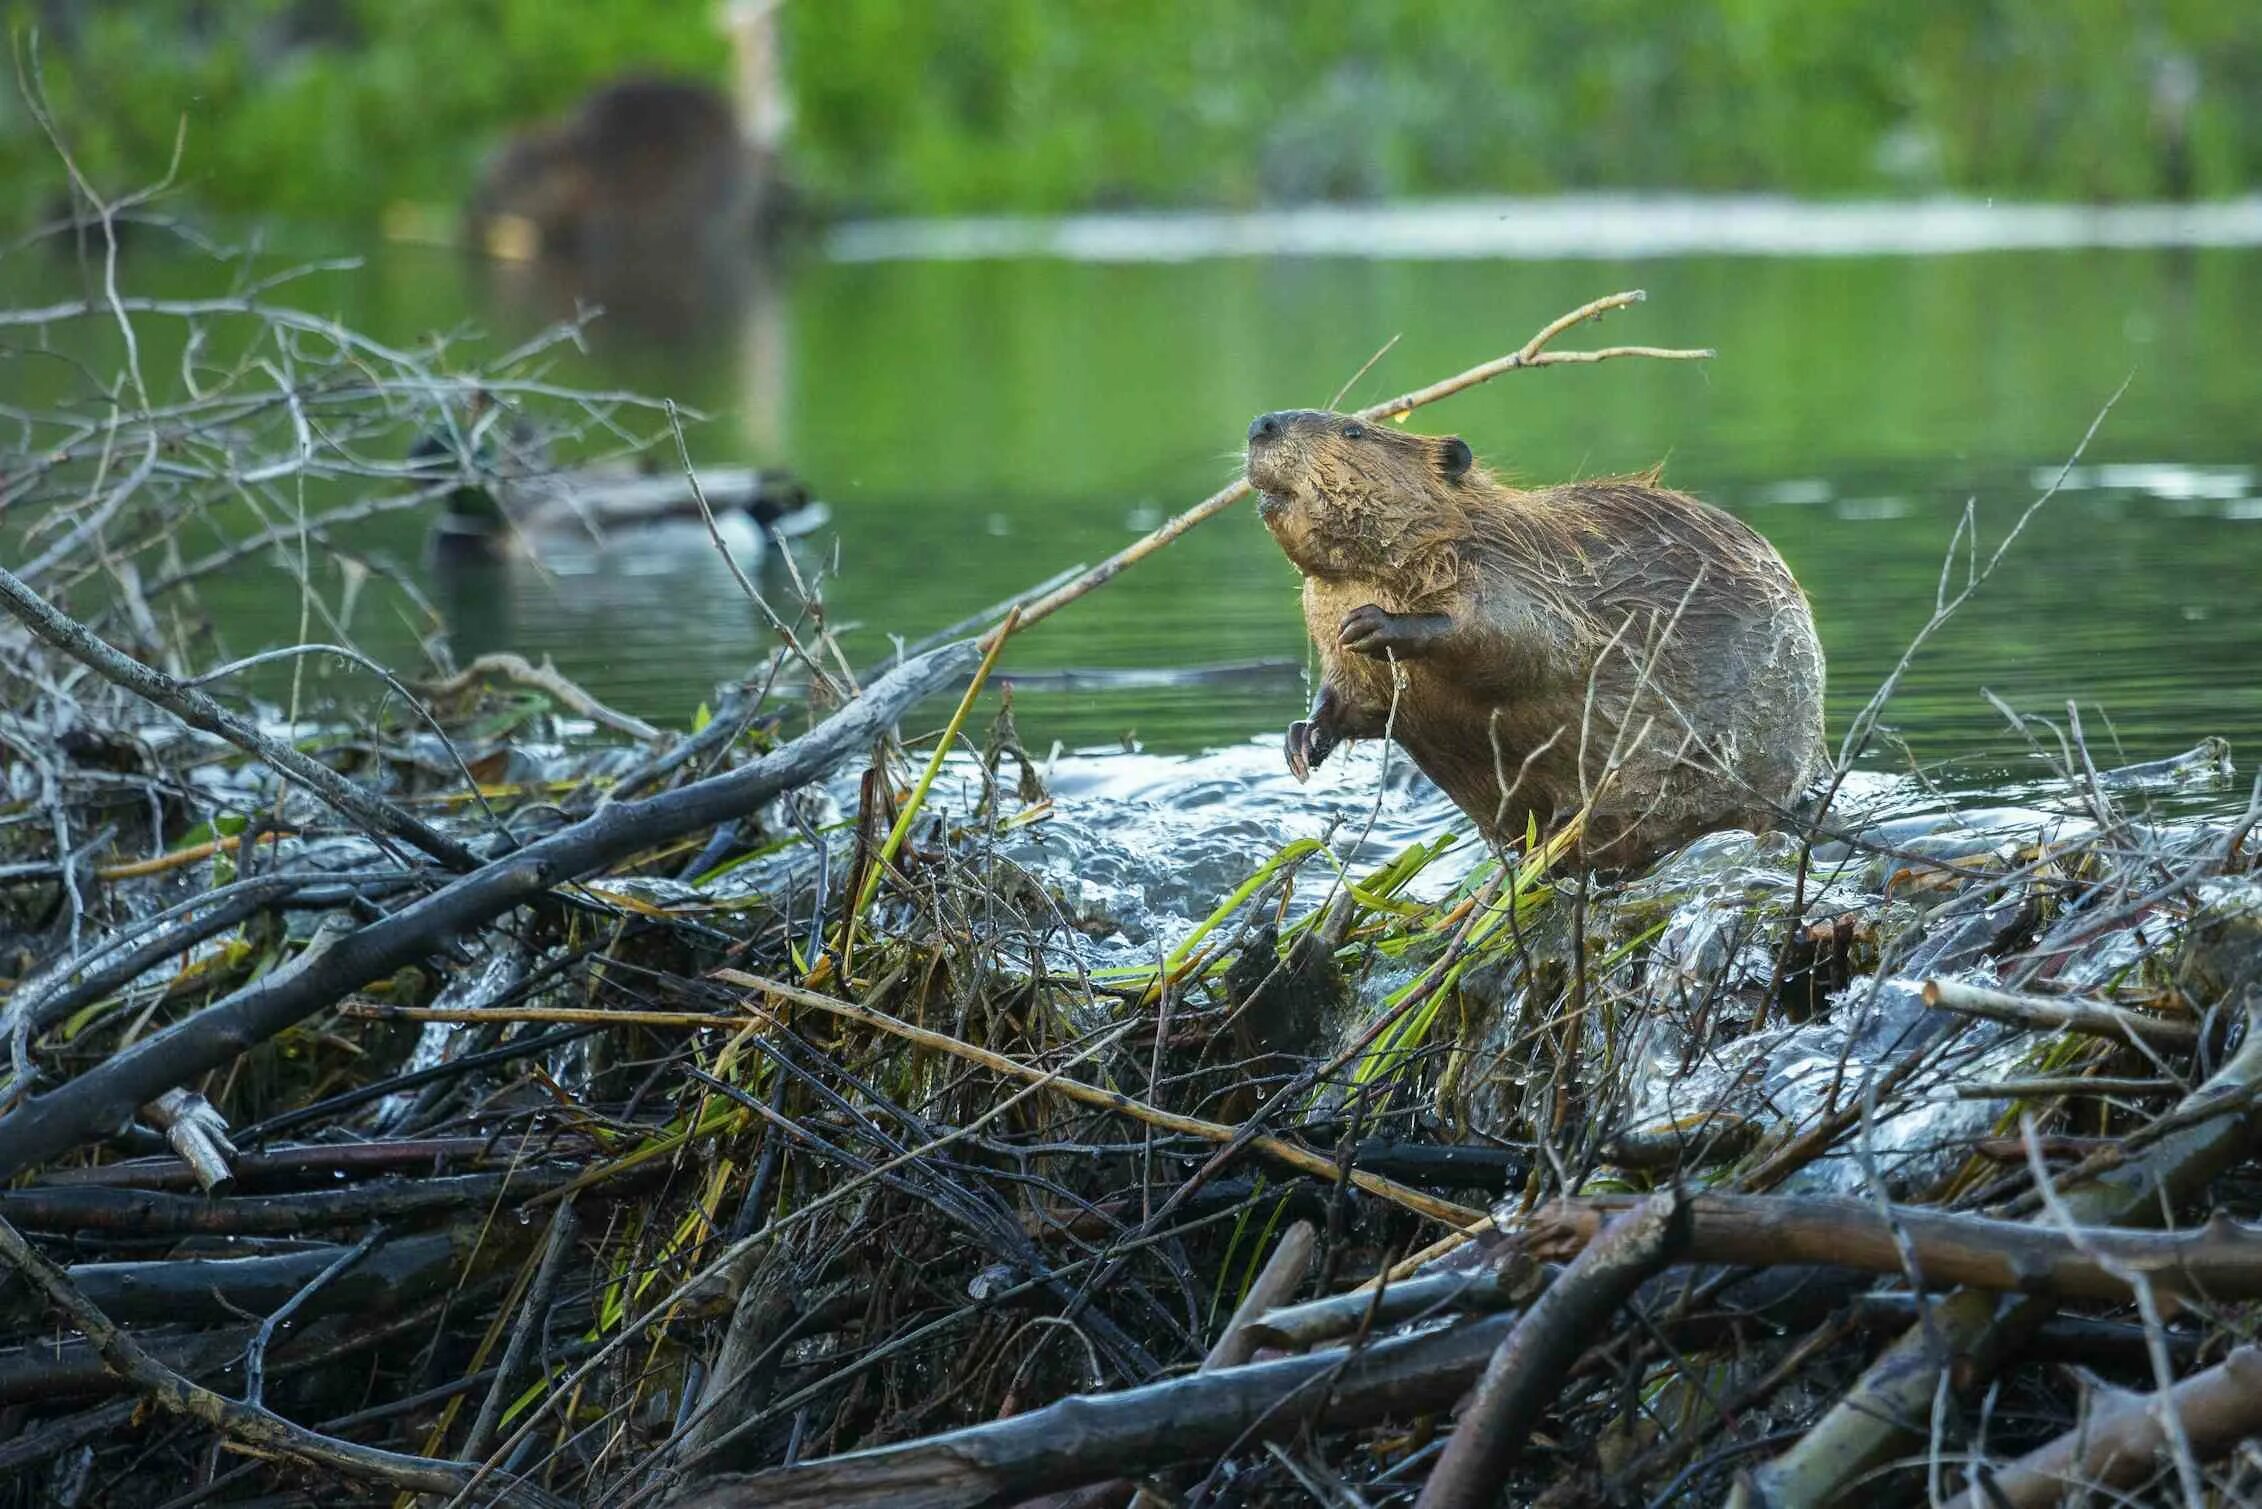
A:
(1310, 740)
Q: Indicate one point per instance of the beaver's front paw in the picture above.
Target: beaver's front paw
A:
(1372, 630)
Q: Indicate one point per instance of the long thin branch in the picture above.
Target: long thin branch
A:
(533, 1322)
(1303, 1160)
(1532, 353)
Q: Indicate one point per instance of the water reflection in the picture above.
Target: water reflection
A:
(976, 426)
(650, 606)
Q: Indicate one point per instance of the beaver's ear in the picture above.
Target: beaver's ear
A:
(1453, 457)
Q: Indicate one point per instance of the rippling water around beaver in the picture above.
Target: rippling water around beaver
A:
(1135, 855)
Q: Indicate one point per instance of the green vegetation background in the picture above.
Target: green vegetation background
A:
(335, 109)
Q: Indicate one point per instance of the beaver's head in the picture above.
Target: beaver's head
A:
(1341, 495)
(532, 198)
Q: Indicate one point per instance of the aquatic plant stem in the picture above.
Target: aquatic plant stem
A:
(992, 646)
(1533, 353)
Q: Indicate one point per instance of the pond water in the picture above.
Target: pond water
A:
(976, 424)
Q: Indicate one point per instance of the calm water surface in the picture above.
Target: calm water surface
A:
(978, 425)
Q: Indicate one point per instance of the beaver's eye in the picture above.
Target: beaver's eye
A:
(1354, 431)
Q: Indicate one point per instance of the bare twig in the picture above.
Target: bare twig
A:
(1532, 353)
(200, 711)
(548, 678)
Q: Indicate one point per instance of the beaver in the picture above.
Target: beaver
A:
(643, 169)
(1609, 641)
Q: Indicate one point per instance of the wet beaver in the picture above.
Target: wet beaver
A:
(1541, 639)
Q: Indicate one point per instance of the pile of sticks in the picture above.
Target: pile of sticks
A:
(633, 1132)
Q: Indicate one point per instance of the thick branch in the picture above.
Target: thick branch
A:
(2050, 1014)
(2222, 1260)
(103, 1097)
(2119, 1447)
(1089, 1439)
(149, 1212)
(216, 1290)
(170, 1391)
(1522, 1378)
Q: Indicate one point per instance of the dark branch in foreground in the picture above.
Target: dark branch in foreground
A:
(1089, 1439)
(170, 1391)
(1521, 1380)
(101, 1099)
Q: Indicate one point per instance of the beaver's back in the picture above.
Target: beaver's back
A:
(1653, 654)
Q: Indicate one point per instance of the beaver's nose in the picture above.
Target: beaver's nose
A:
(1266, 426)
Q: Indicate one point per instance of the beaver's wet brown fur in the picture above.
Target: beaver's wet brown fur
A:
(1611, 641)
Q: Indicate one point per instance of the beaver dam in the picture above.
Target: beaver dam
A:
(479, 1095)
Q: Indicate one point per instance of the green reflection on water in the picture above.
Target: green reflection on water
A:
(976, 426)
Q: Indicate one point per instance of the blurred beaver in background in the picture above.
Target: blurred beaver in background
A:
(1611, 640)
(643, 168)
